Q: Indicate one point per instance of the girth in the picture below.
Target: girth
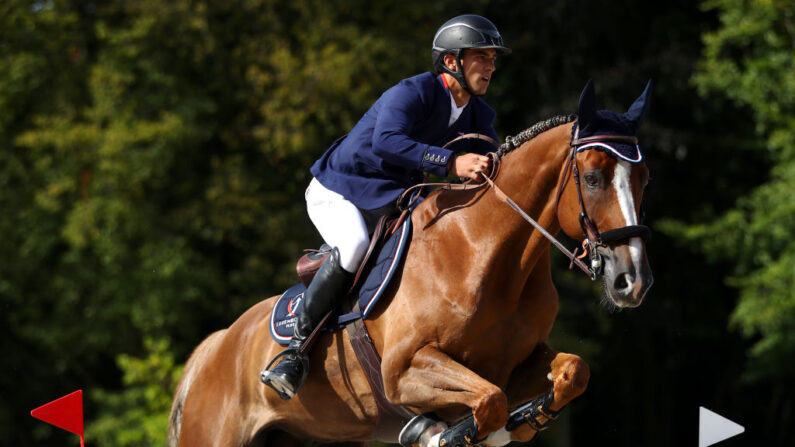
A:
(391, 417)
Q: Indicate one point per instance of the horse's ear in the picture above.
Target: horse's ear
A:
(638, 110)
(587, 108)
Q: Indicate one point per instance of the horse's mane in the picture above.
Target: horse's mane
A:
(528, 134)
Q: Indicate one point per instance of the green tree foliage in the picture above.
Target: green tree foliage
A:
(138, 415)
(751, 60)
(153, 156)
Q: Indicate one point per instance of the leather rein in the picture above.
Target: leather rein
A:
(592, 237)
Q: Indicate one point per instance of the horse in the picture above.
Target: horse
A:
(462, 329)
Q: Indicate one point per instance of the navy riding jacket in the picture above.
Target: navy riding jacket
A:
(398, 139)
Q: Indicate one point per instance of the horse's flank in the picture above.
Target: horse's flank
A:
(197, 359)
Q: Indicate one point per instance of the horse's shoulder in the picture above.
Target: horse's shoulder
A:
(261, 308)
(439, 208)
(253, 319)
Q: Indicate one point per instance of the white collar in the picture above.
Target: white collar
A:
(455, 111)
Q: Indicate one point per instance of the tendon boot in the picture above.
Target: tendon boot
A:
(421, 429)
(530, 412)
(328, 287)
(464, 433)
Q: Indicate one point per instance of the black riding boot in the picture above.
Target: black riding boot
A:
(328, 287)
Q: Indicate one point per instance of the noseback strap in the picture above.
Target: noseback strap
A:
(620, 234)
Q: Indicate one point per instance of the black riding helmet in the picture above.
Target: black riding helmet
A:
(461, 33)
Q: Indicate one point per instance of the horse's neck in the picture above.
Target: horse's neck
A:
(495, 248)
(529, 176)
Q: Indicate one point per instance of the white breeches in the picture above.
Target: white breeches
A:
(339, 223)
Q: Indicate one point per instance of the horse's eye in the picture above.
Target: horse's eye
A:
(591, 179)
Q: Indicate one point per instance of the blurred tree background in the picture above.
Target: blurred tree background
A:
(153, 156)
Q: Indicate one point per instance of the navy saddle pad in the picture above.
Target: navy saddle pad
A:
(288, 306)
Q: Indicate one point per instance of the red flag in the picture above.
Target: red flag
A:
(65, 413)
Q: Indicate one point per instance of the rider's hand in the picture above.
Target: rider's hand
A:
(469, 165)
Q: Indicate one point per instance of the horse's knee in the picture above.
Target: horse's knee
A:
(579, 374)
(571, 376)
(392, 393)
(392, 389)
(491, 411)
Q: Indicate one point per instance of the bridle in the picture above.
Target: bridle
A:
(593, 238)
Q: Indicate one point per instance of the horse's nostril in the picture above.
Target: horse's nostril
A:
(621, 282)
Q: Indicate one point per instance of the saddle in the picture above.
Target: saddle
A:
(310, 262)
(387, 245)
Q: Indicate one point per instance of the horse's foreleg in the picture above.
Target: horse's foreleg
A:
(565, 374)
(433, 380)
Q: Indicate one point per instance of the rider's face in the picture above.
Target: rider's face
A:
(479, 64)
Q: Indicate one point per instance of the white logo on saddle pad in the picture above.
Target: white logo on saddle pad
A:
(292, 306)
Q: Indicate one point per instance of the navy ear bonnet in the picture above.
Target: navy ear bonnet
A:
(592, 122)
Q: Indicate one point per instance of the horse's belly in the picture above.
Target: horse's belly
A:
(336, 402)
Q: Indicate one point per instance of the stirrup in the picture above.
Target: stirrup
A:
(284, 388)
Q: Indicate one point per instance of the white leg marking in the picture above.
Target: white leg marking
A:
(434, 441)
(621, 184)
(498, 438)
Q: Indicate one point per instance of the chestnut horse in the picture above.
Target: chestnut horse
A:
(463, 328)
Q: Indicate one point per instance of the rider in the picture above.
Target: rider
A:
(362, 174)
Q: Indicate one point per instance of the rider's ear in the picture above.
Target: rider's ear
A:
(451, 62)
(587, 109)
(638, 110)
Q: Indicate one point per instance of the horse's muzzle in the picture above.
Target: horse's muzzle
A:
(627, 276)
(630, 289)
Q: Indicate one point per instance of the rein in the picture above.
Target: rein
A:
(500, 194)
(448, 186)
(593, 238)
(574, 259)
